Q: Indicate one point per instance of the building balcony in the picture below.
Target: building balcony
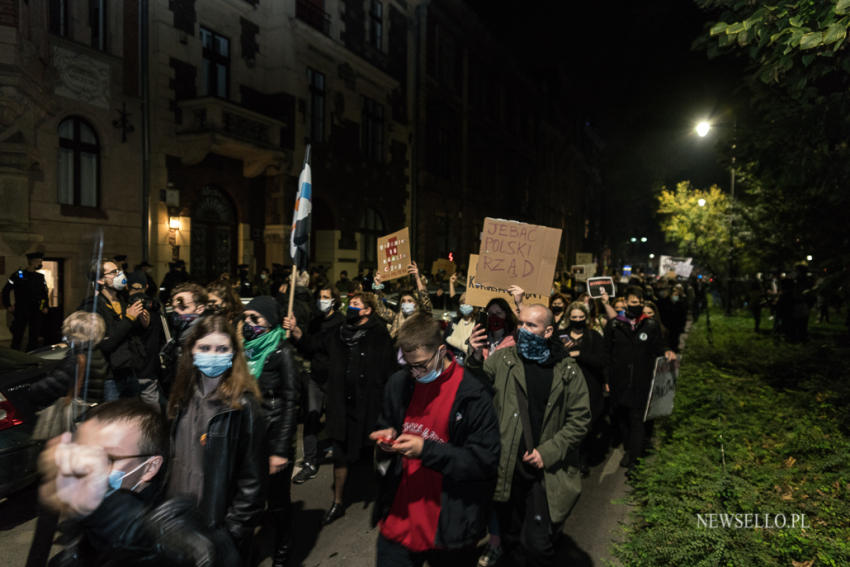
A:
(313, 15)
(214, 125)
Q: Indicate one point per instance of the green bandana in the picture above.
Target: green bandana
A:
(259, 349)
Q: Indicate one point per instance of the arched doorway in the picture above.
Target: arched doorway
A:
(213, 240)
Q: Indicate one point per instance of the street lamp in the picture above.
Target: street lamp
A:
(701, 202)
(643, 239)
(809, 258)
(651, 255)
(702, 128)
(633, 239)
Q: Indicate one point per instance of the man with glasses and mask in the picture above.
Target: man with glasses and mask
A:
(437, 456)
(105, 480)
(122, 344)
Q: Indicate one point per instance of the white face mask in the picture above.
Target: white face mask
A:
(119, 282)
(325, 305)
(408, 308)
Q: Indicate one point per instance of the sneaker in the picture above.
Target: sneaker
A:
(307, 472)
(490, 557)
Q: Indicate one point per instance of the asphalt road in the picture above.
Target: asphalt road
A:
(350, 541)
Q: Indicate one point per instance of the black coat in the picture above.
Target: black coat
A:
(469, 461)
(318, 330)
(278, 385)
(632, 357)
(235, 469)
(372, 360)
(121, 345)
(126, 530)
(592, 361)
(59, 381)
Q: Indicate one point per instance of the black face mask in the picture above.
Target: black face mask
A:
(578, 325)
(352, 315)
(251, 332)
(180, 323)
(634, 311)
(557, 309)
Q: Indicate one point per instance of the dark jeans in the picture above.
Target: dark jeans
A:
(312, 420)
(634, 431)
(392, 554)
(22, 318)
(525, 528)
(280, 503)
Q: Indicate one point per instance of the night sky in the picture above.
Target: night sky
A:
(638, 81)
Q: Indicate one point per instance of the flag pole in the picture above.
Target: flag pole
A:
(294, 260)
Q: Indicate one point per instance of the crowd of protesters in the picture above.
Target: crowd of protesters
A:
(479, 420)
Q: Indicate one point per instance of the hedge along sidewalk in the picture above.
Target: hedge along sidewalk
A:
(779, 416)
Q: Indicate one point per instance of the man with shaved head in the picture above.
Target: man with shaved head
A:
(544, 410)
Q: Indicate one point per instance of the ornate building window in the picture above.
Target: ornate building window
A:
(78, 171)
(376, 27)
(215, 70)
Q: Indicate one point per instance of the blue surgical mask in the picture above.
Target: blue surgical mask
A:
(466, 309)
(532, 347)
(408, 308)
(211, 364)
(116, 479)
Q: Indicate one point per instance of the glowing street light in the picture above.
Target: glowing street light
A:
(809, 258)
(643, 239)
(651, 255)
(633, 239)
(702, 128)
(701, 202)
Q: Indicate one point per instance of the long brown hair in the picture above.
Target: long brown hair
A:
(237, 381)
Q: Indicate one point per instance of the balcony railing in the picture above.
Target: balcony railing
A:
(210, 114)
(313, 15)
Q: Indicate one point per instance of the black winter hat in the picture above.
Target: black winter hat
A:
(268, 307)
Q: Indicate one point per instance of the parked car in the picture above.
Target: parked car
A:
(18, 450)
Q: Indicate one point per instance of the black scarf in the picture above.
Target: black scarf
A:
(351, 334)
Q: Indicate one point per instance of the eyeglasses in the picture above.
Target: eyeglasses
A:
(111, 272)
(114, 458)
(422, 366)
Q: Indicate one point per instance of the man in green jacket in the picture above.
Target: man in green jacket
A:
(536, 383)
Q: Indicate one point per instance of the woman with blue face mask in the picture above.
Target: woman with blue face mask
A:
(218, 434)
(409, 301)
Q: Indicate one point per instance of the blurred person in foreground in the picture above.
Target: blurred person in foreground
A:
(105, 481)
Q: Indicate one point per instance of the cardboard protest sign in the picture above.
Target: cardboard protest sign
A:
(584, 258)
(480, 294)
(596, 285)
(681, 266)
(443, 264)
(662, 390)
(515, 253)
(394, 254)
(583, 271)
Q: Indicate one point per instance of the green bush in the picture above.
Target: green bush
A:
(779, 414)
